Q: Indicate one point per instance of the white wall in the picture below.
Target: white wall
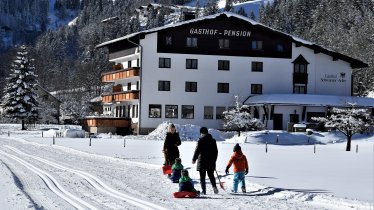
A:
(277, 77)
(321, 67)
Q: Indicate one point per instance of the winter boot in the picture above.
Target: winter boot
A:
(243, 190)
(215, 190)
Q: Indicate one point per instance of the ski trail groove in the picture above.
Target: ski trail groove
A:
(53, 184)
(96, 183)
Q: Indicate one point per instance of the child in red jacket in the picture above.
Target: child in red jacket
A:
(240, 163)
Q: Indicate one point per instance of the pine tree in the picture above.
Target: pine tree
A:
(20, 97)
(211, 7)
(228, 6)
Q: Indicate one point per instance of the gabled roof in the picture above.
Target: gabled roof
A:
(355, 63)
(301, 60)
(310, 100)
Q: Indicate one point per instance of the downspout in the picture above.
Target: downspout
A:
(140, 81)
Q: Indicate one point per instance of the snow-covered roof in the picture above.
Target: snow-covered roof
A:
(354, 62)
(96, 99)
(310, 100)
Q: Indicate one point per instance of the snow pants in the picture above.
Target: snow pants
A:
(239, 177)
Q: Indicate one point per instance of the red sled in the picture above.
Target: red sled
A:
(166, 169)
(185, 194)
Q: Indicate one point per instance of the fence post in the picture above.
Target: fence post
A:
(277, 138)
(42, 134)
(314, 148)
(266, 147)
(90, 142)
(8, 133)
(53, 139)
(124, 142)
(356, 148)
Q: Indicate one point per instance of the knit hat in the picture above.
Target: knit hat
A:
(203, 130)
(171, 125)
(178, 160)
(184, 172)
(237, 148)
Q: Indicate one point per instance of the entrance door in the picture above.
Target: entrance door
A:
(278, 121)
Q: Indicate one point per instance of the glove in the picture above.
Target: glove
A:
(246, 171)
(227, 170)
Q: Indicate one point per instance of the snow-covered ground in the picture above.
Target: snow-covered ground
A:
(298, 172)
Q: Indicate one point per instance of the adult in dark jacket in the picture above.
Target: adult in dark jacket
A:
(206, 154)
(172, 141)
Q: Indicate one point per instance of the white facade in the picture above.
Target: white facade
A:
(326, 75)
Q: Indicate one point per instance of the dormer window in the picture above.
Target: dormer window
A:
(300, 65)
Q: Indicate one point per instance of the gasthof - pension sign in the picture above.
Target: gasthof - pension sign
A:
(214, 32)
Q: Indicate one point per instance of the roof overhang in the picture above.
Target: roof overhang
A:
(355, 63)
(309, 100)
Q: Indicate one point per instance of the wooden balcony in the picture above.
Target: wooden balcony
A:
(122, 96)
(120, 74)
(300, 78)
(107, 122)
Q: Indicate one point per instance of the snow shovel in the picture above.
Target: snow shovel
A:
(219, 180)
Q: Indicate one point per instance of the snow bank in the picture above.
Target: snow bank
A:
(186, 132)
(74, 133)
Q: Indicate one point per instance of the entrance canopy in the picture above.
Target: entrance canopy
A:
(310, 100)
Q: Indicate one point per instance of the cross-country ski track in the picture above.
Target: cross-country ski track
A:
(67, 196)
(57, 177)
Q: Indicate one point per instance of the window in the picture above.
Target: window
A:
(168, 40)
(223, 88)
(128, 64)
(163, 85)
(256, 45)
(154, 110)
(171, 111)
(224, 43)
(137, 85)
(187, 111)
(256, 89)
(257, 66)
(191, 42)
(223, 65)
(300, 65)
(219, 111)
(164, 63)
(208, 112)
(299, 89)
(191, 63)
(280, 47)
(191, 87)
(129, 86)
(300, 68)
(138, 62)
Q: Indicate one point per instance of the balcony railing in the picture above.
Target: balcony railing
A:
(107, 122)
(123, 96)
(120, 74)
(300, 78)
